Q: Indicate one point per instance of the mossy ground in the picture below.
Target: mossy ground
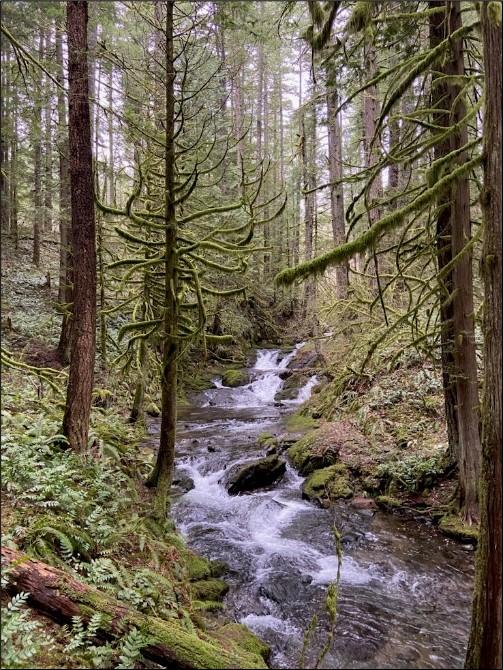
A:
(386, 422)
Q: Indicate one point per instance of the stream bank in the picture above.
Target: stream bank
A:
(405, 593)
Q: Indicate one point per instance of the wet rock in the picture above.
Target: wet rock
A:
(255, 475)
(284, 374)
(359, 502)
(291, 387)
(153, 410)
(181, 484)
(284, 589)
(234, 378)
(273, 449)
(211, 448)
(194, 442)
(307, 359)
(328, 484)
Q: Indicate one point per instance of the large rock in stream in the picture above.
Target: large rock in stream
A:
(254, 475)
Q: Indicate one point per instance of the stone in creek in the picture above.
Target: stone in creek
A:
(359, 502)
(182, 484)
(212, 449)
(234, 378)
(255, 475)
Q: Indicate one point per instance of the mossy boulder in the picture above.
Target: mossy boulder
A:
(337, 441)
(243, 638)
(308, 455)
(328, 484)
(291, 386)
(197, 566)
(209, 589)
(255, 475)
(234, 378)
(453, 526)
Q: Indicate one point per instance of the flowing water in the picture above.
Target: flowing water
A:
(404, 598)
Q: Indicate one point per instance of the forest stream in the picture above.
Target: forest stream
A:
(405, 590)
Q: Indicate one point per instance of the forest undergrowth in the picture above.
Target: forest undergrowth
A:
(90, 514)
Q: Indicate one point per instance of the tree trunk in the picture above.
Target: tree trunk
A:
(4, 147)
(13, 211)
(485, 644)
(461, 342)
(47, 222)
(371, 108)
(163, 470)
(65, 290)
(110, 166)
(62, 597)
(439, 93)
(37, 163)
(83, 346)
(335, 175)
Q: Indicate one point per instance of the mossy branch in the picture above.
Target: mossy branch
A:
(369, 239)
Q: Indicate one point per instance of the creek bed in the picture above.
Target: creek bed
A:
(405, 591)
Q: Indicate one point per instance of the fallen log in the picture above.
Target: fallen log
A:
(61, 596)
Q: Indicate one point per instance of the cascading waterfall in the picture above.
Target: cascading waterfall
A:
(403, 596)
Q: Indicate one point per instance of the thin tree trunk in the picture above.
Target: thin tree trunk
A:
(335, 177)
(371, 108)
(65, 291)
(485, 644)
(37, 163)
(47, 223)
(163, 470)
(83, 346)
(110, 166)
(4, 147)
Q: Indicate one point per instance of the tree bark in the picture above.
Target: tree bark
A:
(37, 163)
(60, 596)
(371, 109)
(83, 346)
(456, 204)
(47, 221)
(485, 644)
(65, 291)
(439, 95)
(163, 470)
(4, 147)
(335, 177)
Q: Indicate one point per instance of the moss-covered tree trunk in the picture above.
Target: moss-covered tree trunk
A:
(459, 354)
(162, 474)
(83, 346)
(485, 644)
(439, 93)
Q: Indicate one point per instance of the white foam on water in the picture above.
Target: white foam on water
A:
(351, 572)
(264, 622)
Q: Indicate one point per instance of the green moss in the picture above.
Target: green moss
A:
(209, 589)
(307, 456)
(235, 378)
(267, 440)
(453, 526)
(329, 484)
(244, 638)
(197, 566)
(388, 502)
(297, 423)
